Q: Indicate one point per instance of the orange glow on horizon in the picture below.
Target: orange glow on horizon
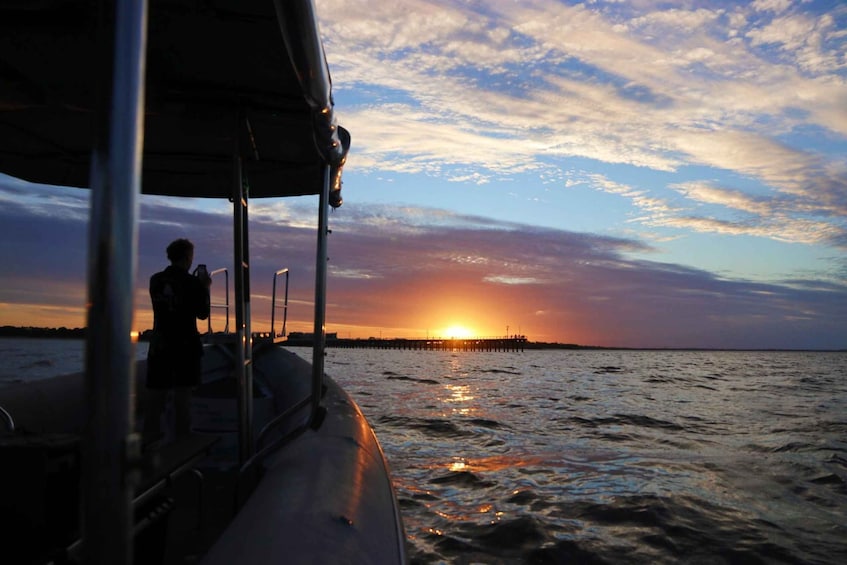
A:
(444, 320)
(41, 315)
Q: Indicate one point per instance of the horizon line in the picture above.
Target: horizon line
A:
(4, 332)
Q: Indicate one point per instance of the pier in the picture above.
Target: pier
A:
(509, 343)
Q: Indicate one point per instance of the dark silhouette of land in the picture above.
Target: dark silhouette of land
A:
(58, 333)
(300, 339)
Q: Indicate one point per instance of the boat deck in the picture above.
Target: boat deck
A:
(327, 487)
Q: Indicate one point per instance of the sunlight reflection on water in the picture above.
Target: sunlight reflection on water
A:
(605, 456)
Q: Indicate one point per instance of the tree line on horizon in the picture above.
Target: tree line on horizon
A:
(29, 331)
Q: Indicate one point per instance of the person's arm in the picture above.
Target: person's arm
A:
(204, 299)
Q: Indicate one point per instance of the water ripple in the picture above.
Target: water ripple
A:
(612, 457)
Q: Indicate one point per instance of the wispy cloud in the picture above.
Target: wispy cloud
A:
(585, 286)
(521, 87)
(392, 271)
(43, 200)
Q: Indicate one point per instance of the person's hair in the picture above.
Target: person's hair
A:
(179, 250)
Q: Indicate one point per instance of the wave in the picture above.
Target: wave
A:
(507, 536)
(501, 371)
(637, 420)
(38, 364)
(680, 528)
(431, 426)
(491, 424)
(462, 479)
(395, 377)
(609, 369)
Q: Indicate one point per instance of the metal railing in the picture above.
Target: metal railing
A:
(261, 449)
(225, 304)
(8, 421)
(284, 306)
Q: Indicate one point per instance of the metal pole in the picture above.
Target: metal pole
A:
(273, 304)
(243, 371)
(273, 307)
(285, 309)
(110, 451)
(318, 350)
(238, 271)
(248, 333)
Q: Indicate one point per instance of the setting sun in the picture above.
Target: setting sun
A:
(460, 332)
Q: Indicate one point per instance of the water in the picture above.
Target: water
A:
(27, 359)
(596, 456)
(611, 456)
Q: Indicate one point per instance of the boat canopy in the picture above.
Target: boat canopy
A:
(232, 99)
(225, 78)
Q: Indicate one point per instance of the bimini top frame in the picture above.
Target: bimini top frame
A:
(220, 75)
(183, 98)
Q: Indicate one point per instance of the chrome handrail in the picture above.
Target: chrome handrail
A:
(7, 419)
(279, 419)
(284, 305)
(225, 304)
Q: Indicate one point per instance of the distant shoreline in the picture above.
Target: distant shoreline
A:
(80, 333)
(53, 333)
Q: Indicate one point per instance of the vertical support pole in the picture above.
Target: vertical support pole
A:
(247, 451)
(318, 350)
(244, 337)
(110, 449)
(285, 308)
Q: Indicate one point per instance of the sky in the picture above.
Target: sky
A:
(634, 174)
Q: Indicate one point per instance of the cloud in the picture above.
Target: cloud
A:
(43, 200)
(477, 93)
(654, 207)
(774, 217)
(809, 218)
(405, 270)
(501, 279)
(586, 286)
(777, 6)
(810, 43)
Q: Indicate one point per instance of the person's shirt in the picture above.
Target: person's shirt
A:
(179, 299)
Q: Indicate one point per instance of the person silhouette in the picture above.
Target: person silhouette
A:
(174, 357)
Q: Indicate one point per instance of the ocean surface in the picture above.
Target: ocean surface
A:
(594, 456)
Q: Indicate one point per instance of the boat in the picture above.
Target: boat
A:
(191, 98)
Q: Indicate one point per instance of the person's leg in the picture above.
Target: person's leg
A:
(154, 407)
(182, 410)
